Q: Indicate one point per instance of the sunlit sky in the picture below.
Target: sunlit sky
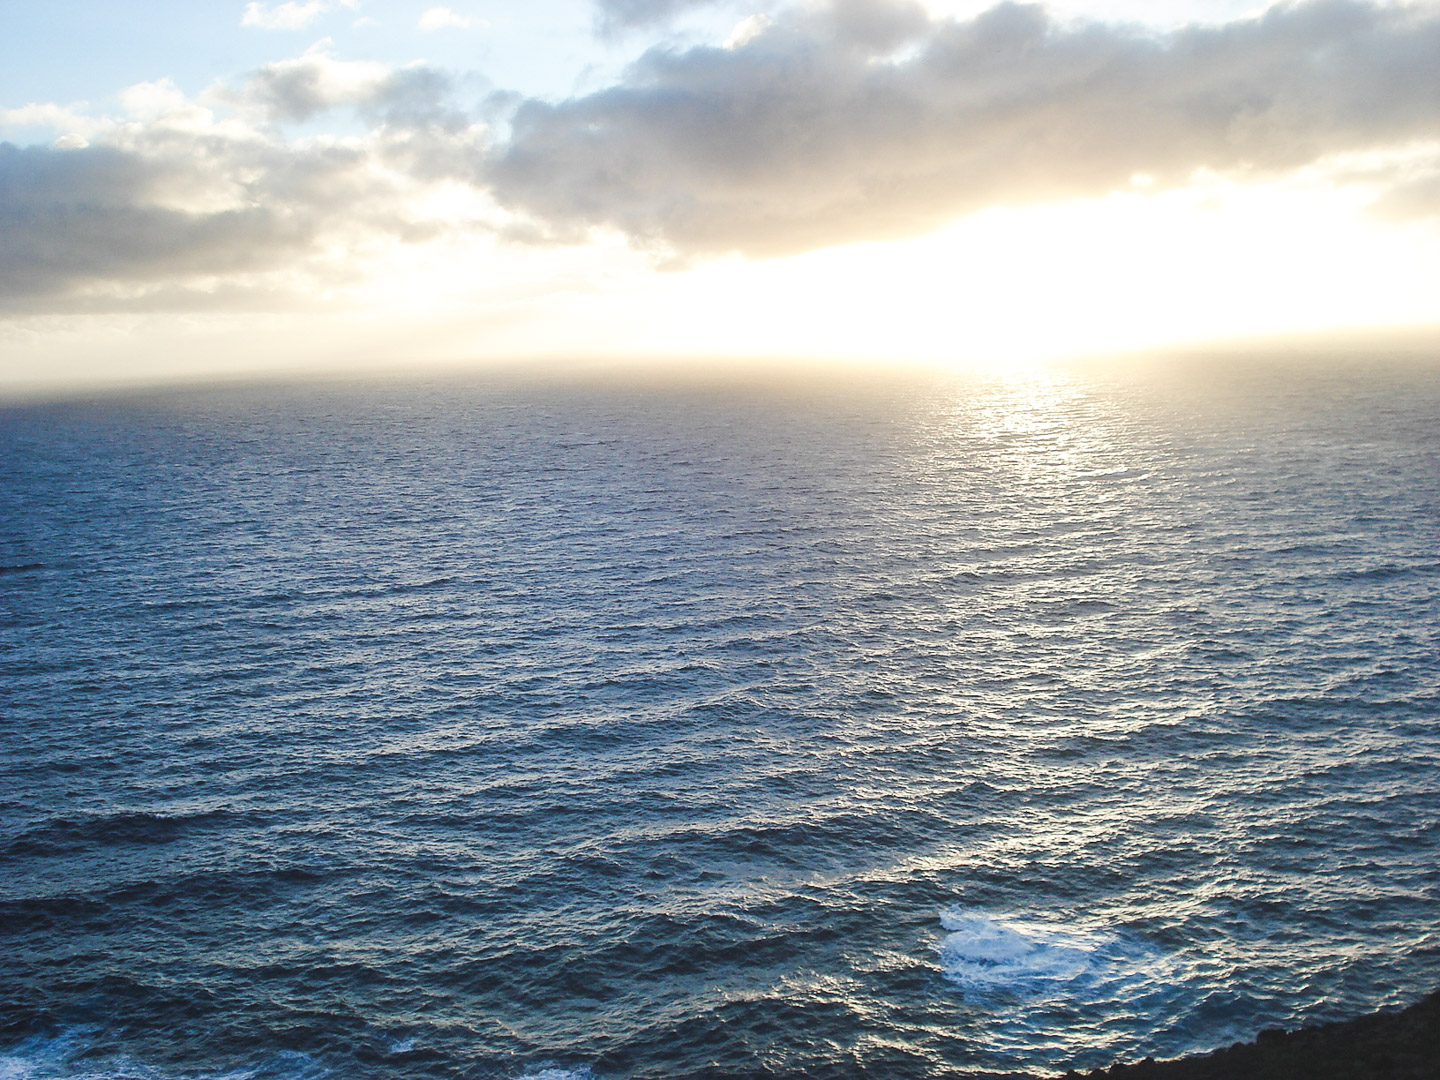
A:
(189, 190)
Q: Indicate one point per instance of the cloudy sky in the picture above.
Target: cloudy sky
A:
(221, 187)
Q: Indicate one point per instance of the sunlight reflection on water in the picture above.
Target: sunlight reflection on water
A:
(453, 731)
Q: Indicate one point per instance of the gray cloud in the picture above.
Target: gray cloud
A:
(629, 14)
(414, 98)
(171, 216)
(868, 119)
(300, 89)
(413, 123)
(76, 219)
(70, 216)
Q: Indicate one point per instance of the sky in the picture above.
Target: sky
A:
(224, 188)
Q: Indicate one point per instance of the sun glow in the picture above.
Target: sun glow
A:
(1014, 286)
(1002, 289)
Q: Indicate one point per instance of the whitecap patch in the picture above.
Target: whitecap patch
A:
(987, 954)
(65, 1057)
(553, 1073)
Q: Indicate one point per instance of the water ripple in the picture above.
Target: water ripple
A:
(621, 731)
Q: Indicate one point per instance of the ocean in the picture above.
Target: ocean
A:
(835, 727)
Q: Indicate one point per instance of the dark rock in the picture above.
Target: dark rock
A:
(1402, 1045)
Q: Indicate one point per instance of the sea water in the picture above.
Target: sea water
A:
(828, 728)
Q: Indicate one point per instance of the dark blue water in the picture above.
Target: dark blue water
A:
(872, 728)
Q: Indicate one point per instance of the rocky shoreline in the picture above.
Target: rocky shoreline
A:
(1401, 1045)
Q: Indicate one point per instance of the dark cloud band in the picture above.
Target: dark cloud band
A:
(867, 119)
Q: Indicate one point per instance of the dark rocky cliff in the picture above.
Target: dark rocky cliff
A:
(1401, 1045)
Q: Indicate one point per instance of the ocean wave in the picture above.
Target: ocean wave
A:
(63, 835)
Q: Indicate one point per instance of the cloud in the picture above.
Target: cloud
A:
(174, 207)
(819, 125)
(71, 121)
(93, 214)
(867, 119)
(629, 14)
(301, 88)
(747, 30)
(290, 15)
(408, 101)
(1411, 186)
(442, 18)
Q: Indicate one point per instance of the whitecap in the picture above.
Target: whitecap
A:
(986, 953)
(65, 1057)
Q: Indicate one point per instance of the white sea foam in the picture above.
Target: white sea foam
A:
(553, 1073)
(63, 1057)
(986, 953)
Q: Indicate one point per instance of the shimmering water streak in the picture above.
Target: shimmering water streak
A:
(864, 729)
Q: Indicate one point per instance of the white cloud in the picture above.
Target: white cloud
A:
(747, 30)
(290, 15)
(149, 102)
(442, 18)
(69, 120)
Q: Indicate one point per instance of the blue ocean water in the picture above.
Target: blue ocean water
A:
(833, 728)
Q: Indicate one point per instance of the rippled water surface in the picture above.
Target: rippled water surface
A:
(872, 728)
